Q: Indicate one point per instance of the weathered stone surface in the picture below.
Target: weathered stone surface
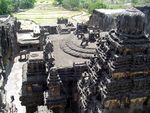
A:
(104, 18)
(2, 95)
(8, 50)
(146, 11)
(116, 80)
(131, 22)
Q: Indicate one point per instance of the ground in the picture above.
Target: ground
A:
(13, 86)
(61, 56)
(45, 13)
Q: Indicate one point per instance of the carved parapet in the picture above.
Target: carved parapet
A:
(131, 22)
(110, 104)
(138, 101)
(129, 74)
(119, 75)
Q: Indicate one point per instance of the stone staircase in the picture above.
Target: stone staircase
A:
(69, 47)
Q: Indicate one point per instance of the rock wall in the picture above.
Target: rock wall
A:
(146, 11)
(2, 95)
(8, 50)
(106, 18)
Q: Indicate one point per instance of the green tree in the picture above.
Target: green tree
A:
(5, 7)
(96, 5)
(71, 4)
(146, 1)
(134, 1)
(26, 3)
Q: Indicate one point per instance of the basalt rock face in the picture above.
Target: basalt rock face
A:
(8, 49)
(117, 80)
(2, 95)
(146, 11)
(106, 18)
(131, 22)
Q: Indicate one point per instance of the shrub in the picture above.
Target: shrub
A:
(134, 1)
(96, 5)
(71, 4)
(58, 2)
(5, 7)
(23, 4)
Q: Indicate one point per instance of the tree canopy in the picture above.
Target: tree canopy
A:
(92, 4)
(7, 6)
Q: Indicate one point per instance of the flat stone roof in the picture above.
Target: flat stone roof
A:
(36, 56)
(61, 58)
(109, 11)
(25, 38)
(28, 25)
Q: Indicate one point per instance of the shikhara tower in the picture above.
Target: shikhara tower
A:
(118, 76)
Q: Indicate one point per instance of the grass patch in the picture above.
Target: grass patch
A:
(45, 12)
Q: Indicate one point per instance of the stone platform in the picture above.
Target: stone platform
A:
(72, 46)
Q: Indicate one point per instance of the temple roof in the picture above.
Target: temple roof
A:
(35, 56)
(109, 11)
(27, 38)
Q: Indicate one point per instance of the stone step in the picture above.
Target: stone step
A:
(69, 51)
(72, 46)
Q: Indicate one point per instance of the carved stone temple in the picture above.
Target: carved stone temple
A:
(108, 75)
(117, 80)
(99, 66)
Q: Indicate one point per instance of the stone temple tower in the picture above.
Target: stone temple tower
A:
(118, 76)
(56, 100)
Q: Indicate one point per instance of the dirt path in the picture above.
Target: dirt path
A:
(82, 17)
